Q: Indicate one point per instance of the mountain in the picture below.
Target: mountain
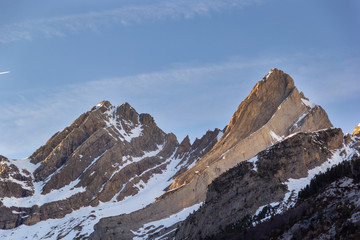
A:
(109, 158)
(273, 110)
(114, 174)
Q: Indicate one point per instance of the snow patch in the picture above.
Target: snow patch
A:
(143, 232)
(220, 134)
(269, 73)
(295, 185)
(308, 103)
(254, 161)
(40, 199)
(81, 222)
(113, 123)
(275, 137)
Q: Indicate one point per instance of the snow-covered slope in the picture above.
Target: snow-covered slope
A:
(109, 161)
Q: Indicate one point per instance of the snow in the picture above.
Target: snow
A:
(39, 199)
(295, 185)
(86, 217)
(130, 160)
(224, 153)
(308, 103)
(113, 123)
(275, 137)
(143, 232)
(269, 73)
(220, 134)
(254, 160)
(300, 118)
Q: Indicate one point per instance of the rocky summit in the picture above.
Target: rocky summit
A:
(114, 174)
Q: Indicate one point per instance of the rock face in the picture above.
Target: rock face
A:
(106, 155)
(117, 168)
(357, 130)
(273, 110)
(328, 208)
(242, 190)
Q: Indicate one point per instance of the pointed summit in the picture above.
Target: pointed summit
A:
(273, 110)
(184, 147)
(357, 130)
(261, 103)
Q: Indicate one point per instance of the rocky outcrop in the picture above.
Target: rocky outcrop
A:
(273, 110)
(357, 130)
(190, 154)
(242, 190)
(328, 208)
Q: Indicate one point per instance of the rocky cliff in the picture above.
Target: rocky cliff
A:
(273, 110)
(105, 157)
(115, 167)
(327, 208)
(268, 184)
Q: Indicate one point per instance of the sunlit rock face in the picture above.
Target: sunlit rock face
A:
(357, 130)
(273, 110)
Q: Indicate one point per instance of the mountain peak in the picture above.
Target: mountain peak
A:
(264, 98)
(357, 130)
(103, 103)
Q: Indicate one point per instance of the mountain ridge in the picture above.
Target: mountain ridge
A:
(113, 165)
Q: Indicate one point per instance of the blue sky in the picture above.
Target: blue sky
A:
(187, 63)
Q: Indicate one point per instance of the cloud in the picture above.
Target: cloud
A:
(173, 97)
(126, 15)
(1, 73)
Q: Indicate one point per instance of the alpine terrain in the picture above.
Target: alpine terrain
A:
(114, 174)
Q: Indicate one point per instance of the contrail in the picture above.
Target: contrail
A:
(4, 72)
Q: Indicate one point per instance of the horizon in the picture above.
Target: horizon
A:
(189, 64)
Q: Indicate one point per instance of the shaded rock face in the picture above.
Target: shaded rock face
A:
(190, 154)
(273, 110)
(106, 155)
(13, 182)
(243, 189)
(97, 154)
(327, 209)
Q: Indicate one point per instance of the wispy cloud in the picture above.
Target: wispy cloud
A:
(184, 100)
(173, 97)
(1, 73)
(127, 15)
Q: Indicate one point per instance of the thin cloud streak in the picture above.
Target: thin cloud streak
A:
(26, 123)
(1, 73)
(127, 15)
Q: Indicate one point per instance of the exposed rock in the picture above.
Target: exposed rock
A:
(98, 153)
(243, 189)
(106, 155)
(13, 182)
(331, 211)
(357, 130)
(267, 115)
